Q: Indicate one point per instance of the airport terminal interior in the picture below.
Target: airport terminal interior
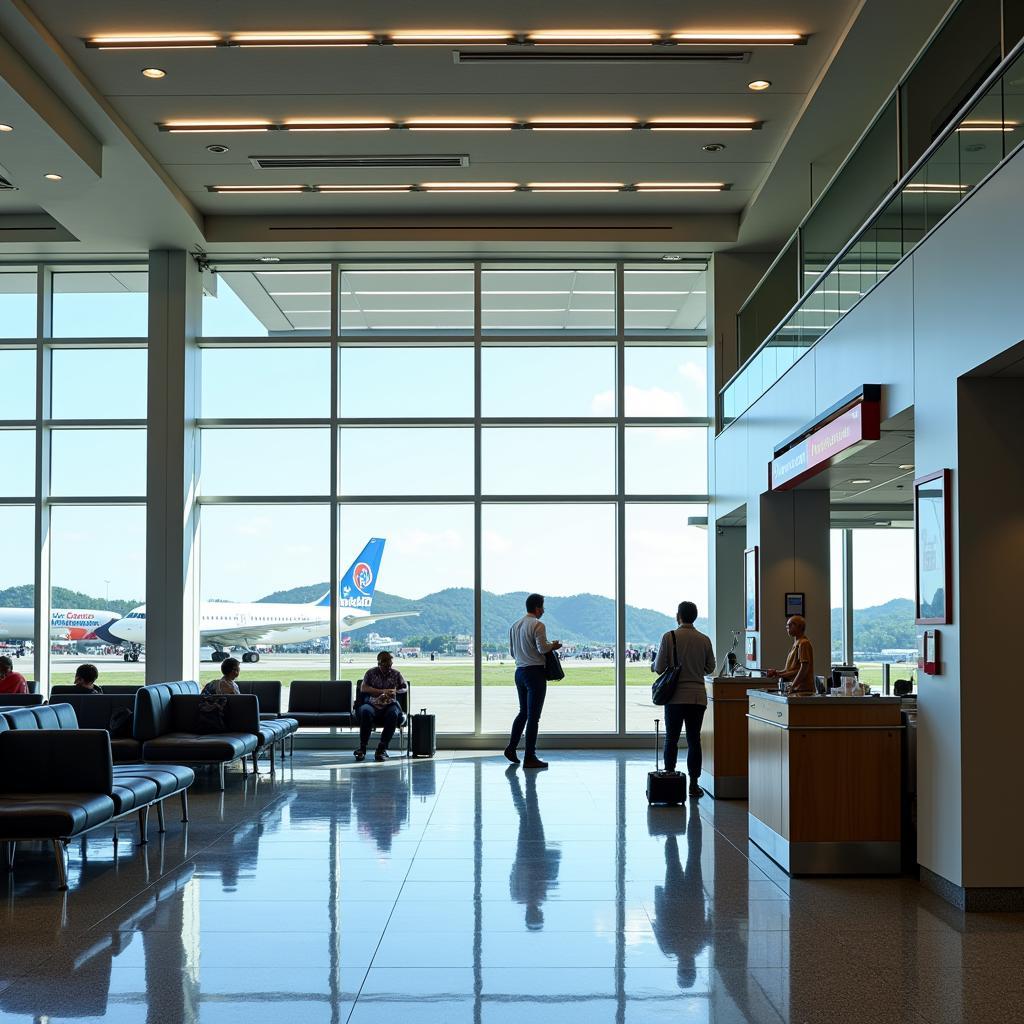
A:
(339, 342)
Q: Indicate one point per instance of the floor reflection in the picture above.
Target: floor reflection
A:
(536, 865)
(442, 892)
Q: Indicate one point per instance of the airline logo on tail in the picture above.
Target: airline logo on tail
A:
(357, 583)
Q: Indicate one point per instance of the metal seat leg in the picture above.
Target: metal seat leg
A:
(143, 825)
(160, 816)
(184, 805)
(60, 854)
(220, 775)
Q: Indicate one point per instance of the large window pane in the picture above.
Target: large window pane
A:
(17, 304)
(263, 576)
(18, 458)
(17, 587)
(98, 463)
(101, 304)
(883, 604)
(567, 553)
(268, 382)
(18, 373)
(666, 381)
(271, 461)
(666, 562)
(400, 301)
(666, 460)
(837, 593)
(426, 571)
(659, 301)
(406, 460)
(403, 381)
(548, 460)
(548, 300)
(552, 381)
(99, 383)
(247, 302)
(94, 581)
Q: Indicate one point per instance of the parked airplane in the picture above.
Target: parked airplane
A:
(224, 626)
(65, 623)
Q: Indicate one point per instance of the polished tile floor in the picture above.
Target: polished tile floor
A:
(461, 889)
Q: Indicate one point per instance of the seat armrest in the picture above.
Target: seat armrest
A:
(56, 761)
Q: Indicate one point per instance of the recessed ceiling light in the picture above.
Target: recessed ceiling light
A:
(713, 147)
(884, 522)
(216, 148)
(6, 128)
(907, 466)
(270, 259)
(154, 73)
(671, 257)
(759, 85)
(53, 177)
(860, 480)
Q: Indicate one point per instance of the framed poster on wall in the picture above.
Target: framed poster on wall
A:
(750, 601)
(932, 556)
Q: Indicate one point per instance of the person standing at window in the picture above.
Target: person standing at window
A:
(690, 650)
(11, 681)
(528, 645)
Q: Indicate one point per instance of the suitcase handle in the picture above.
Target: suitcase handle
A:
(657, 745)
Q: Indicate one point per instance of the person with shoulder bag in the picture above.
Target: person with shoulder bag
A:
(690, 653)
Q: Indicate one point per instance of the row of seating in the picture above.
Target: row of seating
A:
(60, 782)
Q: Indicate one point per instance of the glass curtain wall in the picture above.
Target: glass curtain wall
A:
(73, 444)
(451, 437)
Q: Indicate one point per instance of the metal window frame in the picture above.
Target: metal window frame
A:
(619, 340)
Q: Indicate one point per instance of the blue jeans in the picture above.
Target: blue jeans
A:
(532, 687)
(387, 718)
(677, 716)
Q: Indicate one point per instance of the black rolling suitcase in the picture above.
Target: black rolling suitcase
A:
(423, 734)
(664, 787)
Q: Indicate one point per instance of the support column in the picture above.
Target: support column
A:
(792, 534)
(970, 837)
(172, 572)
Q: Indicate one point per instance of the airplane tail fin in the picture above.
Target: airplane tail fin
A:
(358, 582)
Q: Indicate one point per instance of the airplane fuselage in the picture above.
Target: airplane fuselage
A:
(65, 623)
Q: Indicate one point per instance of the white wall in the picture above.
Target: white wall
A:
(957, 302)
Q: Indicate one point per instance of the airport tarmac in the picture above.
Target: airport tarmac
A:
(583, 702)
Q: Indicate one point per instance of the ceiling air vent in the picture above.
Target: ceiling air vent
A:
(543, 55)
(291, 163)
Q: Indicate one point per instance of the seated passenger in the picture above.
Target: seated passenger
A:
(380, 688)
(11, 681)
(85, 679)
(231, 669)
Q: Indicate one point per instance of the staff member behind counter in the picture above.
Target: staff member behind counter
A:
(799, 670)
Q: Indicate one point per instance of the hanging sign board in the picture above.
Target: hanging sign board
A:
(821, 445)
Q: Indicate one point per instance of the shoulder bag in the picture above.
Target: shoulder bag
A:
(211, 714)
(664, 687)
(553, 670)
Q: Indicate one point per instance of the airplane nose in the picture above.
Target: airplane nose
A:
(105, 634)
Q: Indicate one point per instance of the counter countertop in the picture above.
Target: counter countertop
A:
(783, 698)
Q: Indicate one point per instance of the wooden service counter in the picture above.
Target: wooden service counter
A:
(724, 736)
(825, 782)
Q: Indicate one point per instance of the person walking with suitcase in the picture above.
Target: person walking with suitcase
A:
(528, 645)
(690, 650)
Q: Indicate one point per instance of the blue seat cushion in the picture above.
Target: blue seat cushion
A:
(52, 815)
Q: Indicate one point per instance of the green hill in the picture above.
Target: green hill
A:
(61, 597)
(881, 627)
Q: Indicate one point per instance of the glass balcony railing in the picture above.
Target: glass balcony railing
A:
(970, 147)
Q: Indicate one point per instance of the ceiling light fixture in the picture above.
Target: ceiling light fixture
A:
(906, 466)
(301, 39)
(362, 189)
(576, 186)
(53, 176)
(469, 186)
(340, 124)
(608, 36)
(671, 257)
(860, 481)
(449, 37)
(455, 124)
(216, 148)
(988, 126)
(270, 259)
(584, 124)
(759, 85)
(480, 186)
(197, 127)
(258, 190)
(672, 124)
(713, 147)
(681, 186)
(6, 128)
(154, 42)
(741, 38)
(154, 73)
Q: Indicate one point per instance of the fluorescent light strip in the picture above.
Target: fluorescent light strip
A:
(647, 38)
(460, 124)
(475, 187)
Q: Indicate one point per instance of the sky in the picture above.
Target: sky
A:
(250, 551)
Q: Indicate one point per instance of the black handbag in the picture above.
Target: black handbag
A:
(120, 724)
(211, 714)
(664, 687)
(553, 670)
